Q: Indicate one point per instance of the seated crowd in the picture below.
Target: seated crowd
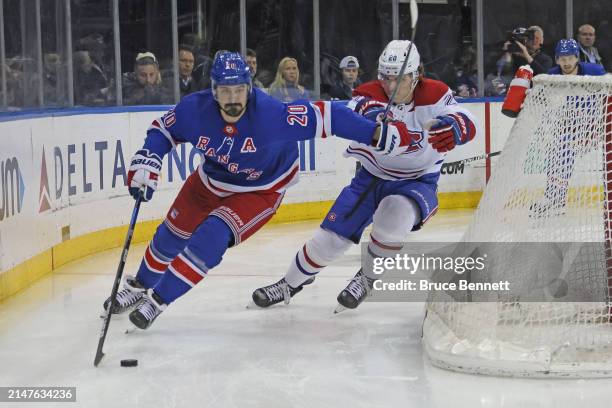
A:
(151, 84)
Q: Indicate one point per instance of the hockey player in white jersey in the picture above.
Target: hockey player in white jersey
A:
(397, 194)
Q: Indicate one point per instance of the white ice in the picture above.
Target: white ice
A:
(208, 350)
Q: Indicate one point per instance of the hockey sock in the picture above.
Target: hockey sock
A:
(393, 220)
(164, 246)
(322, 249)
(377, 249)
(203, 252)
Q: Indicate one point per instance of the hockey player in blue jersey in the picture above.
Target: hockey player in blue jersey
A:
(249, 144)
(561, 155)
(567, 57)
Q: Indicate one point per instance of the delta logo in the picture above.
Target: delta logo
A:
(44, 199)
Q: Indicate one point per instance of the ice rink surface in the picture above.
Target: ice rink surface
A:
(209, 350)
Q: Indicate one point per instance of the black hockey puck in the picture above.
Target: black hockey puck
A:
(129, 363)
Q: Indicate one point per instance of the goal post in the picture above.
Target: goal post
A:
(552, 186)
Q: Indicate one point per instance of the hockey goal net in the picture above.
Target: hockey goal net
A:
(552, 184)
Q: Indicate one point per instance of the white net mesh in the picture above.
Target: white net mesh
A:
(552, 184)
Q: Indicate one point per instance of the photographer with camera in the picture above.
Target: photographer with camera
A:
(524, 46)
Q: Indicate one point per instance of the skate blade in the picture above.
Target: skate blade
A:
(115, 315)
(339, 309)
(252, 305)
(131, 329)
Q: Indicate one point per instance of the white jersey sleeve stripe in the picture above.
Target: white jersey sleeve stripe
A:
(323, 112)
(319, 128)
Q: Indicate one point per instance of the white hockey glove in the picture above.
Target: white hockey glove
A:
(143, 174)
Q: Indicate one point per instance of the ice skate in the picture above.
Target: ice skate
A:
(148, 310)
(276, 293)
(127, 298)
(355, 292)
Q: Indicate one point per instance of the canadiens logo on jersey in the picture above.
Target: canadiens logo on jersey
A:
(417, 138)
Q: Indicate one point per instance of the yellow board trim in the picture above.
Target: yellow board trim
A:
(463, 199)
(23, 275)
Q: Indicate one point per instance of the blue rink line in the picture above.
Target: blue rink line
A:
(57, 112)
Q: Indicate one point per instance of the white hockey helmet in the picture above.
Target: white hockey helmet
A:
(393, 56)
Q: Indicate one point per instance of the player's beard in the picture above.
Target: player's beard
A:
(233, 109)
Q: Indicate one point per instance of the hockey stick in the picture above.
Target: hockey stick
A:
(414, 17)
(475, 158)
(124, 253)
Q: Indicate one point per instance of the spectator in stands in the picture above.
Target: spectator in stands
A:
(144, 85)
(201, 72)
(497, 83)
(22, 82)
(90, 84)
(464, 83)
(251, 60)
(186, 64)
(586, 39)
(423, 72)
(530, 52)
(15, 81)
(343, 88)
(203, 62)
(465, 90)
(95, 46)
(286, 85)
(51, 88)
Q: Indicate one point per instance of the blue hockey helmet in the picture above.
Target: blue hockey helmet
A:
(567, 47)
(229, 68)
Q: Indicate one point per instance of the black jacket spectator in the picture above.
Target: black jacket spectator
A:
(531, 53)
(588, 51)
(144, 85)
(349, 70)
(187, 83)
(251, 60)
(540, 64)
(134, 93)
(90, 84)
(342, 91)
